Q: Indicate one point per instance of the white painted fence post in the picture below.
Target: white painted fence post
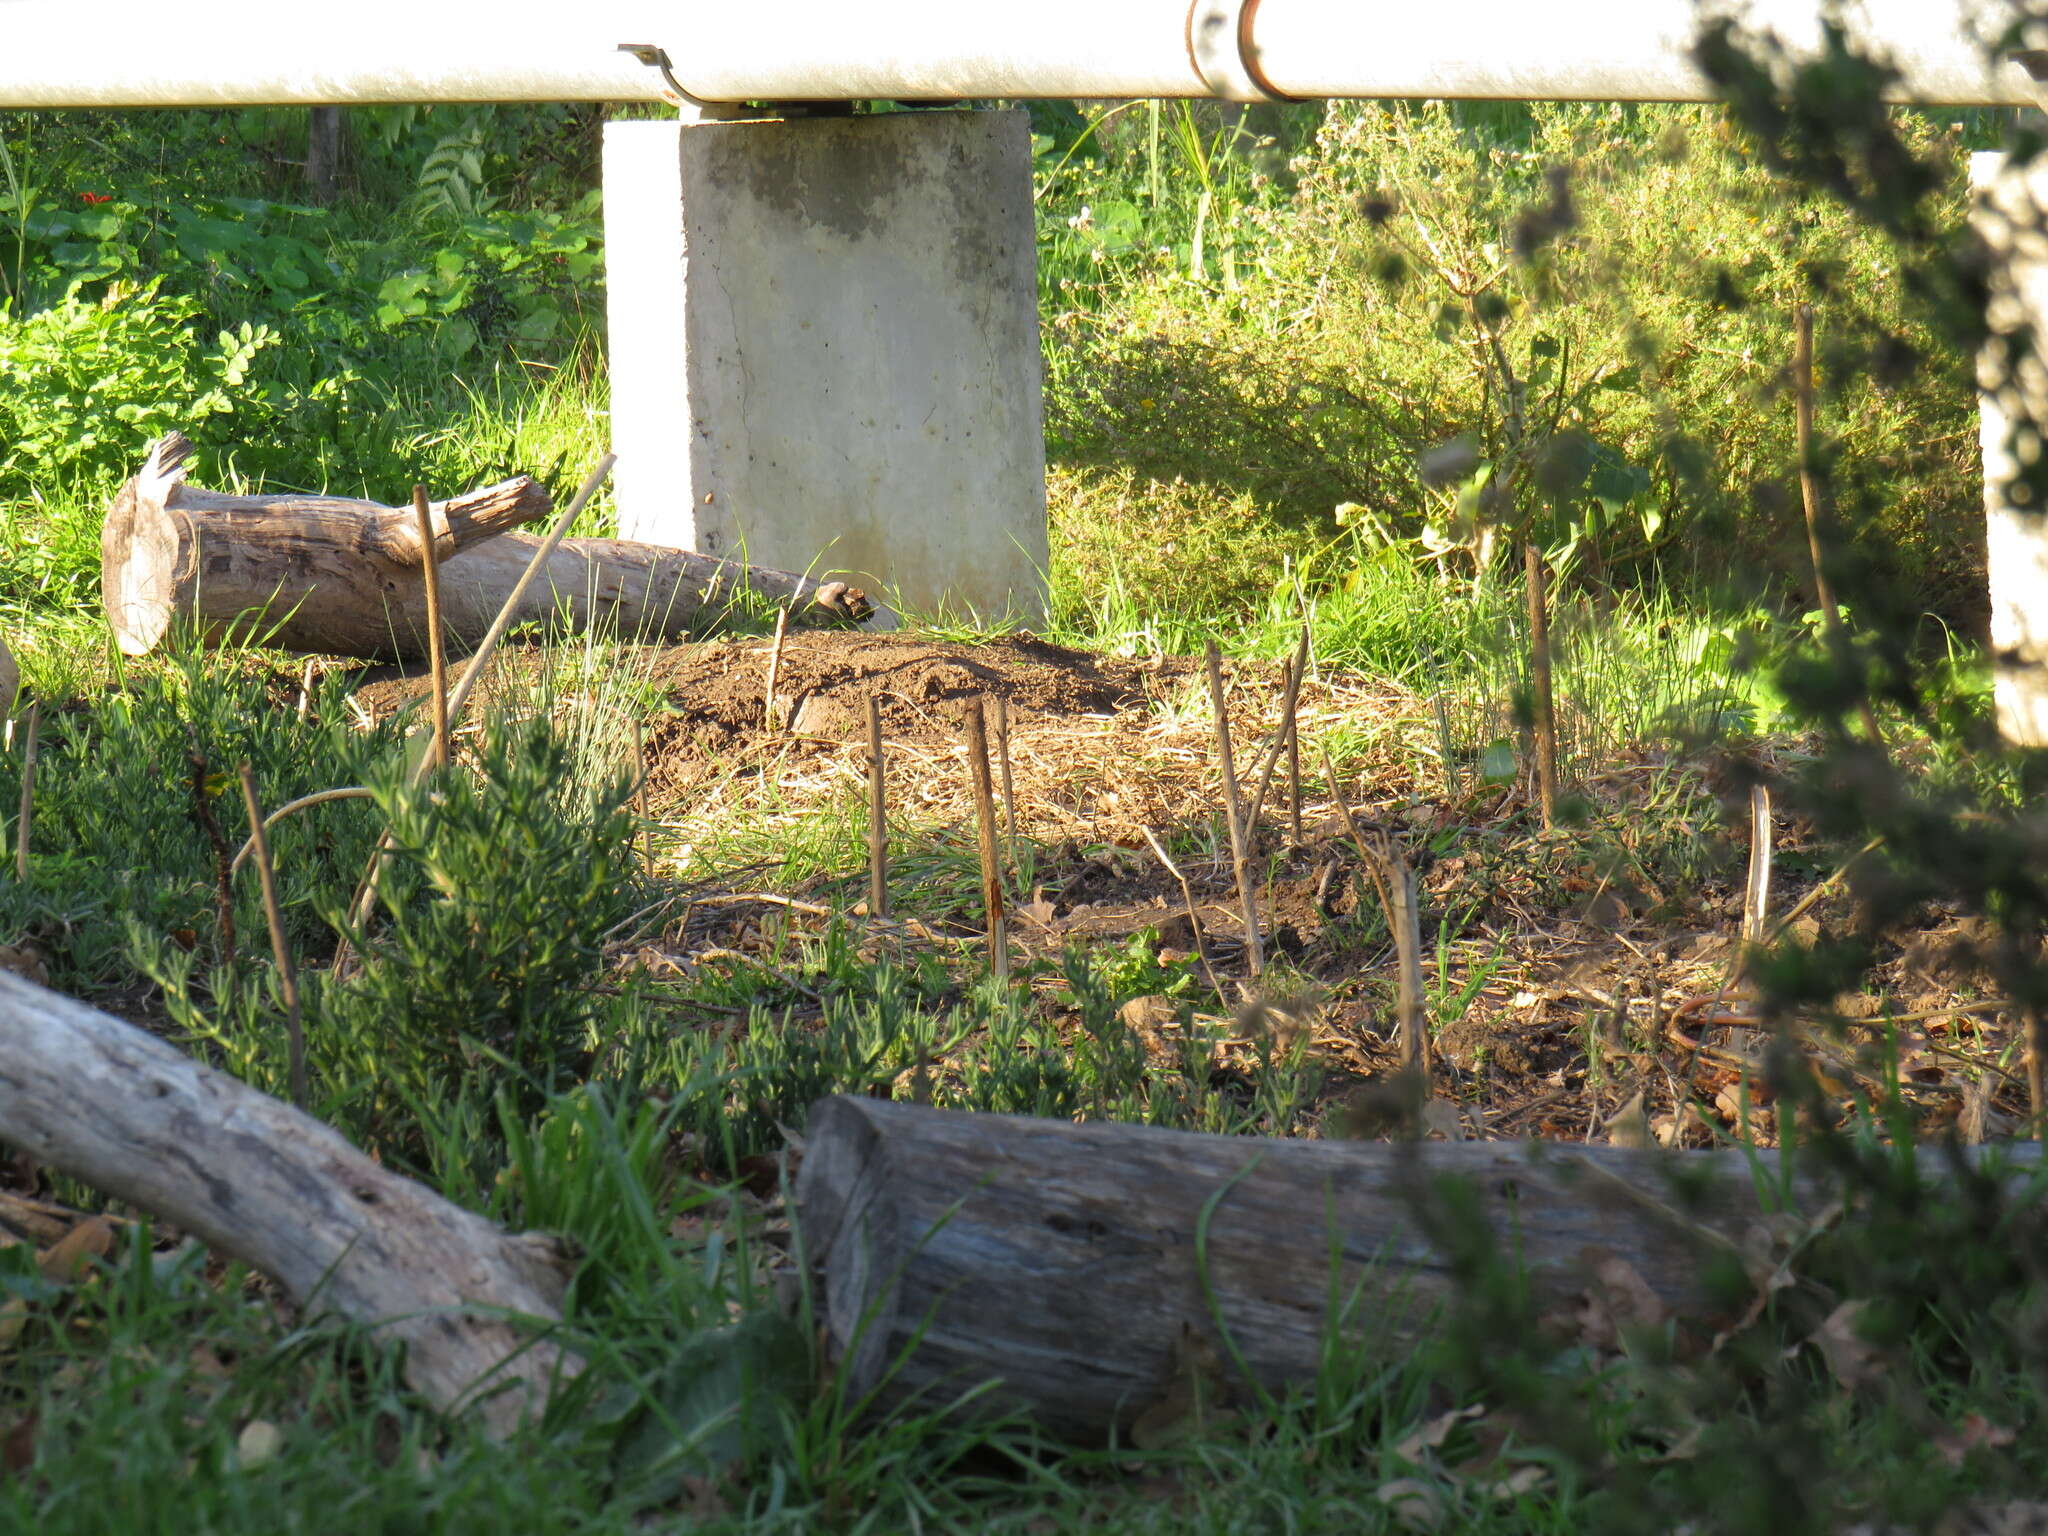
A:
(2011, 213)
(824, 349)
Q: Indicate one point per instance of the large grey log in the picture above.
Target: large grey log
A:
(341, 577)
(1061, 1261)
(106, 1103)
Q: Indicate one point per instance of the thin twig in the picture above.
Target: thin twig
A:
(1187, 896)
(1809, 484)
(878, 815)
(304, 802)
(287, 974)
(1809, 496)
(1404, 922)
(1009, 783)
(1255, 954)
(472, 674)
(640, 807)
(1543, 701)
(1806, 902)
(1294, 764)
(1296, 668)
(26, 819)
(202, 815)
(985, 826)
(769, 720)
(437, 657)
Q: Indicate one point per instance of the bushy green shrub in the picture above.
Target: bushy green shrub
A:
(1654, 322)
(119, 848)
(498, 893)
(83, 385)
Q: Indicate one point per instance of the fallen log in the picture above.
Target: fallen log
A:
(253, 1178)
(1083, 1267)
(336, 576)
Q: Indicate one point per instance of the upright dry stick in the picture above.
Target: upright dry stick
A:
(1395, 881)
(1756, 892)
(1293, 748)
(437, 656)
(640, 807)
(1809, 485)
(1296, 668)
(287, 974)
(1009, 783)
(1543, 703)
(1240, 857)
(769, 721)
(878, 816)
(985, 824)
(1809, 493)
(202, 815)
(25, 820)
(366, 893)
(1187, 897)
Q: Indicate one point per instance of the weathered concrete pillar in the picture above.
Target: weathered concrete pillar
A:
(824, 349)
(2011, 213)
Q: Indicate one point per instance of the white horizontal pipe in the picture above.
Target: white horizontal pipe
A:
(1600, 50)
(120, 53)
(63, 53)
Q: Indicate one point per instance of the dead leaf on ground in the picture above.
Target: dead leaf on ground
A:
(92, 1238)
(259, 1441)
(25, 961)
(1617, 1303)
(1974, 1433)
(1526, 1478)
(1630, 1125)
(1670, 1130)
(1852, 1360)
(1039, 911)
(1440, 1117)
(1416, 1504)
(1431, 1433)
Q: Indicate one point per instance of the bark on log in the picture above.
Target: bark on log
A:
(342, 577)
(101, 1101)
(1062, 1260)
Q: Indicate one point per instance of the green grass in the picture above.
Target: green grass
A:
(495, 1050)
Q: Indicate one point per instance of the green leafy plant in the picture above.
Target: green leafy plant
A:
(499, 889)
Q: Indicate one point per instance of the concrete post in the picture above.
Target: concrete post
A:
(824, 350)
(2011, 214)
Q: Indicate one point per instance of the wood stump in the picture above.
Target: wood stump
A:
(336, 576)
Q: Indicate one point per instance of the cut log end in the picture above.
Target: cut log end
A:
(138, 568)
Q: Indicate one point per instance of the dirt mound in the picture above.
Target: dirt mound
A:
(717, 693)
(714, 709)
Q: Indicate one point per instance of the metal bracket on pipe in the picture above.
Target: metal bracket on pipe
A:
(1221, 48)
(728, 111)
(657, 58)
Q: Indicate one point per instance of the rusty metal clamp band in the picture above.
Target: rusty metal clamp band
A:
(1225, 57)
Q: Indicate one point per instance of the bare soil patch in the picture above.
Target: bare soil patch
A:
(1573, 976)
